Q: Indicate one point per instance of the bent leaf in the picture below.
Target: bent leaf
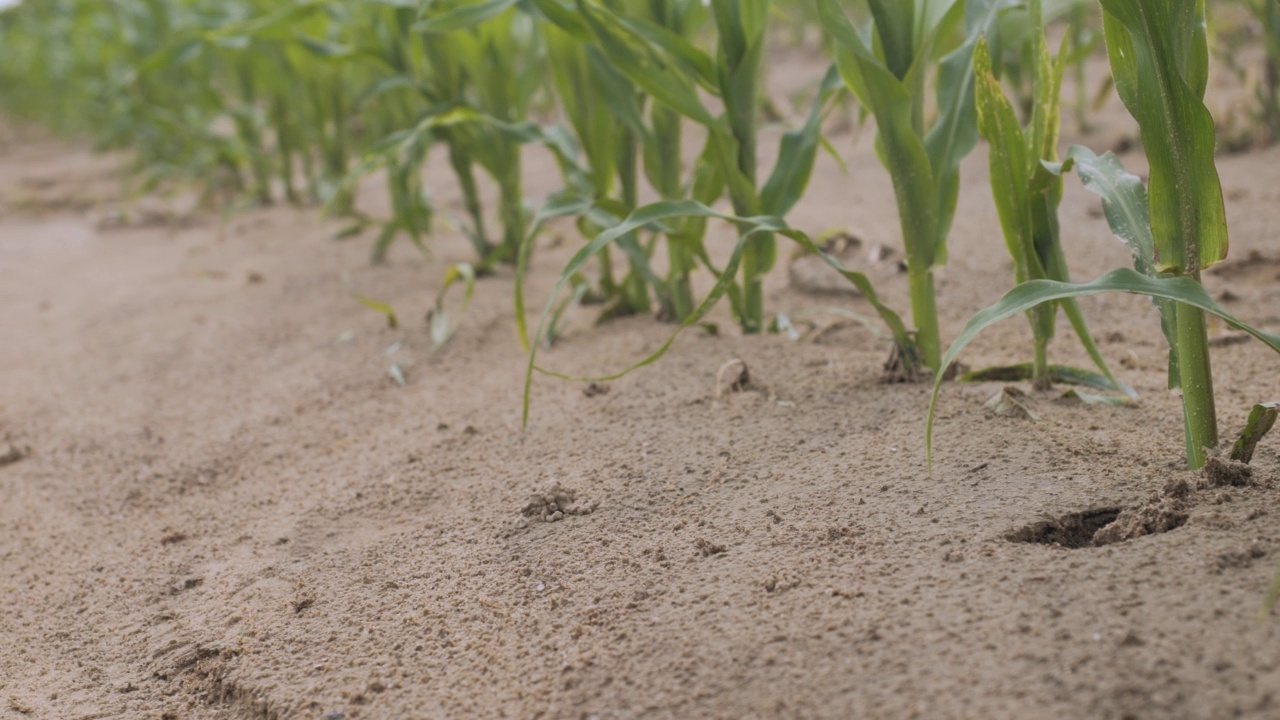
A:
(1064, 374)
(382, 309)
(1261, 419)
(439, 319)
(668, 210)
(1028, 295)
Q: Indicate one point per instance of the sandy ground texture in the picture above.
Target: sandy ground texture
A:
(215, 502)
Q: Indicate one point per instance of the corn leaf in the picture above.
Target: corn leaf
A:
(1124, 203)
(382, 309)
(561, 205)
(463, 17)
(1261, 419)
(657, 213)
(1159, 59)
(1064, 374)
(441, 322)
(1030, 294)
(796, 155)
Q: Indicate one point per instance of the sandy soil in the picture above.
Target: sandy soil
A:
(216, 503)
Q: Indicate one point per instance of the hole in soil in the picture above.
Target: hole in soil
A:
(1100, 526)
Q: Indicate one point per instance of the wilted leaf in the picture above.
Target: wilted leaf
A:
(382, 309)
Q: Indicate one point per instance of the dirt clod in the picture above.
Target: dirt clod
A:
(1224, 472)
(707, 548)
(12, 454)
(1238, 557)
(554, 503)
(1158, 514)
(1073, 530)
(1010, 402)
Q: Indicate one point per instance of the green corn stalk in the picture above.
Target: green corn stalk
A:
(588, 92)
(1017, 30)
(1160, 61)
(886, 69)
(670, 70)
(619, 135)
(1125, 203)
(1027, 193)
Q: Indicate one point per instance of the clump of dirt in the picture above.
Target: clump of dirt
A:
(1161, 513)
(1073, 530)
(12, 454)
(554, 503)
(1224, 472)
(1239, 557)
(1009, 402)
(707, 548)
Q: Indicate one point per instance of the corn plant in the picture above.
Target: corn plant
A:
(1027, 193)
(1159, 59)
(670, 70)
(618, 136)
(465, 76)
(886, 69)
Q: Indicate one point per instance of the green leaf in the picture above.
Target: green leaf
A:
(1030, 294)
(1124, 202)
(1010, 186)
(1261, 419)
(1064, 374)
(656, 213)
(1159, 59)
(630, 56)
(463, 17)
(796, 155)
(562, 205)
(440, 321)
(382, 309)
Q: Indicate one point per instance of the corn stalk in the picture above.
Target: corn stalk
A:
(1027, 191)
(887, 69)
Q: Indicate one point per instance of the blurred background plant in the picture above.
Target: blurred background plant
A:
(1247, 43)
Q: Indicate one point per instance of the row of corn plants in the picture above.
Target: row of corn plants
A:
(257, 101)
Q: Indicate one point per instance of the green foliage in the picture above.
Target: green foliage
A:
(1030, 294)
(1160, 62)
(1027, 192)
(653, 215)
(1263, 80)
(258, 101)
(887, 70)
(655, 61)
